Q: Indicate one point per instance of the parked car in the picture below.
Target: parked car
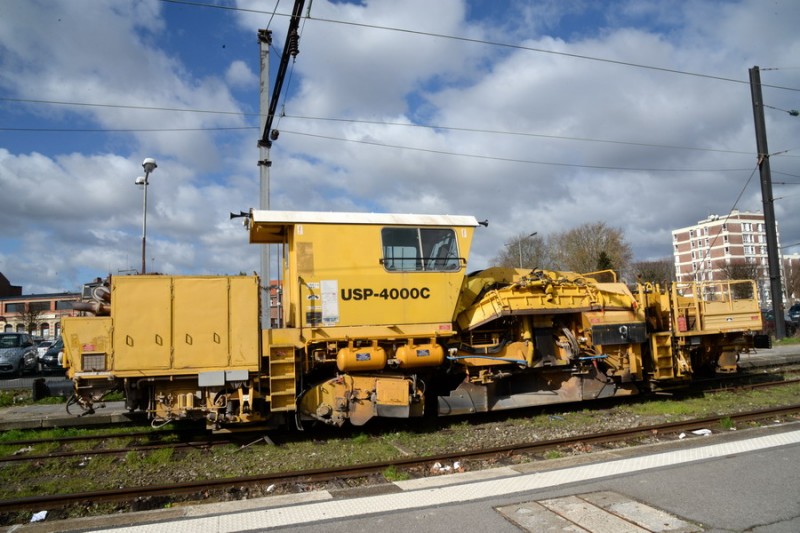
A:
(768, 321)
(17, 353)
(54, 356)
(42, 347)
(794, 313)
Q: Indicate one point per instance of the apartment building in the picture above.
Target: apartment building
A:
(710, 249)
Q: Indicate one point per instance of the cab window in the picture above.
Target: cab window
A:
(420, 249)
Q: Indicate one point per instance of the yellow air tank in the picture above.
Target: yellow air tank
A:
(361, 358)
(417, 355)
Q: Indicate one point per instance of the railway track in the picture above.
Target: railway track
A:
(203, 487)
(186, 438)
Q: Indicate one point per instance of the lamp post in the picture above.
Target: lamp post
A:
(519, 245)
(149, 165)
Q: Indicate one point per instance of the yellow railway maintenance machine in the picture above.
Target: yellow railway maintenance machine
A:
(369, 307)
(380, 318)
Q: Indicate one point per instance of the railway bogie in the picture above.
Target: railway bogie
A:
(381, 319)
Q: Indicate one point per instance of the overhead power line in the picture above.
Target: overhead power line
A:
(123, 130)
(333, 119)
(521, 134)
(489, 43)
(328, 119)
(123, 106)
(508, 159)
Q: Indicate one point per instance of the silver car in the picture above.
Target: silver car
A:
(42, 347)
(17, 353)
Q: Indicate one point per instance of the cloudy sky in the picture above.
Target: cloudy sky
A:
(538, 115)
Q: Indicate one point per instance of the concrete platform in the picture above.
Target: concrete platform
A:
(55, 415)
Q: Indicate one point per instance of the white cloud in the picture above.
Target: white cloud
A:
(69, 209)
(239, 75)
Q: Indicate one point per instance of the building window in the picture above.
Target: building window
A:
(38, 307)
(724, 227)
(63, 305)
(725, 239)
(747, 226)
(15, 308)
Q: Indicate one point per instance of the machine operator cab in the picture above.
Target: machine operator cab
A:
(402, 272)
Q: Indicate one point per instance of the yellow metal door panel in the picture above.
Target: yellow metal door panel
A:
(244, 322)
(200, 315)
(142, 323)
(87, 335)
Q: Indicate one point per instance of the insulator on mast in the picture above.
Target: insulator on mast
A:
(294, 43)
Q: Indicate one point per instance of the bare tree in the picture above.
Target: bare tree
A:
(739, 270)
(791, 283)
(592, 245)
(29, 317)
(525, 251)
(657, 271)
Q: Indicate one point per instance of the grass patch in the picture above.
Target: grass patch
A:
(361, 438)
(13, 398)
(727, 423)
(161, 456)
(392, 474)
(10, 398)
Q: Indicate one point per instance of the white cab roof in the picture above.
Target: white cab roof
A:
(329, 217)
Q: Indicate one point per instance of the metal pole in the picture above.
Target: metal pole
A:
(264, 41)
(144, 224)
(773, 252)
(519, 243)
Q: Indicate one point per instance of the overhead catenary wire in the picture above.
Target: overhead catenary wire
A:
(330, 119)
(707, 252)
(507, 159)
(491, 43)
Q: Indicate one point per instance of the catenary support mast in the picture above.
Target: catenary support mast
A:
(773, 257)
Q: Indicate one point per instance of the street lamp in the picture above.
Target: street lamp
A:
(149, 165)
(519, 245)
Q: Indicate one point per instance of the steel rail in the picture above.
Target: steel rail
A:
(212, 440)
(112, 451)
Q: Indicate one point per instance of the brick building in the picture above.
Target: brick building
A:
(275, 291)
(37, 314)
(708, 250)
